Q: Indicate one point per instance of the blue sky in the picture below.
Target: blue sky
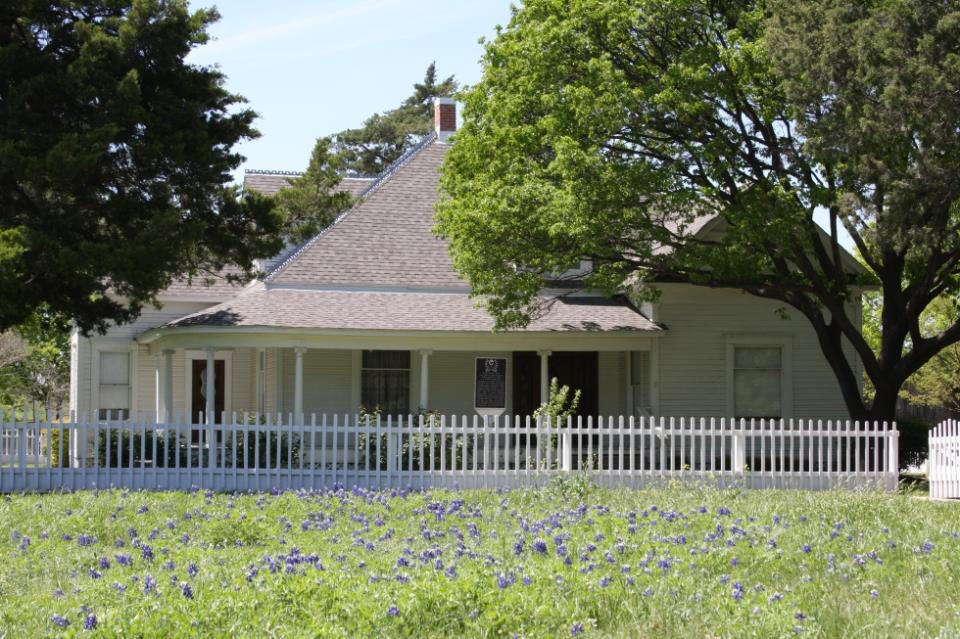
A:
(315, 67)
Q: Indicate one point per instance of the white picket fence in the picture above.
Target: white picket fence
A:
(270, 452)
(943, 462)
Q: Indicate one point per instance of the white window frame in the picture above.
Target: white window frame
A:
(189, 357)
(785, 342)
(105, 346)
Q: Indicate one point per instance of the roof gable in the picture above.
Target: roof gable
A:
(385, 240)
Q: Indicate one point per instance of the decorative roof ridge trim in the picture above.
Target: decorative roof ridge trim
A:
(386, 175)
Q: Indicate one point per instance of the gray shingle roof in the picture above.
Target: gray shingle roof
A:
(405, 311)
(385, 240)
(269, 182)
(213, 287)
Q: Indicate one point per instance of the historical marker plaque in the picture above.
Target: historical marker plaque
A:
(490, 385)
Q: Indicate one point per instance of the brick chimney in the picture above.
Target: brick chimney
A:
(444, 117)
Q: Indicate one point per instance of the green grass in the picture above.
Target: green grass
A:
(671, 569)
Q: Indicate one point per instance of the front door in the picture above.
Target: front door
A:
(198, 400)
(578, 370)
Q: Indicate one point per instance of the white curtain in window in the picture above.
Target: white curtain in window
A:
(757, 376)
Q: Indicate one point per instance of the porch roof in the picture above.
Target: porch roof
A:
(407, 311)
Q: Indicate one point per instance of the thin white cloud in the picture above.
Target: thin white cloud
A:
(284, 29)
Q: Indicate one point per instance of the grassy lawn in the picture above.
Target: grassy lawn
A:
(561, 562)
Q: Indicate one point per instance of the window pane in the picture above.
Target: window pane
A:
(756, 393)
(756, 357)
(386, 389)
(114, 368)
(114, 396)
(386, 359)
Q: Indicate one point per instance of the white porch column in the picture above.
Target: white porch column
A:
(298, 384)
(211, 385)
(424, 379)
(165, 400)
(544, 376)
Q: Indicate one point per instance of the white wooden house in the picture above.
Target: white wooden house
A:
(371, 313)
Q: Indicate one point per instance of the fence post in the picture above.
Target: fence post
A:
(739, 449)
(566, 446)
(893, 448)
(391, 447)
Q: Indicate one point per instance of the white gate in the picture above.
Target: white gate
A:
(943, 461)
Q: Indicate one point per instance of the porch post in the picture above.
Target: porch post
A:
(211, 385)
(165, 405)
(544, 376)
(424, 379)
(298, 384)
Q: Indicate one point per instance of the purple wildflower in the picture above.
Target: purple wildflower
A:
(576, 629)
(90, 623)
(186, 590)
(59, 621)
(393, 611)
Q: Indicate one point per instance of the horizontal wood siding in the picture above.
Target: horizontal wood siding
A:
(452, 379)
(693, 358)
(327, 376)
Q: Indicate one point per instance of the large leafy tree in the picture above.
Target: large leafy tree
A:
(613, 130)
(384, 137)
(310, 202)
(114, 159)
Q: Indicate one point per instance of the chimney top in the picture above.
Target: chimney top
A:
(444, 117)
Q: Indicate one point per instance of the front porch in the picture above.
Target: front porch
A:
(189, 383)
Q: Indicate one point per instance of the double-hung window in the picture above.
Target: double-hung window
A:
(385, 382)
(759, 379)
(114, 387)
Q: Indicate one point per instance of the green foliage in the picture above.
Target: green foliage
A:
(384, 137)
(559, 404)
(309, 204)
(341, 581)
(616, 131)
(36, 368)
(115, 155)
(914, 442)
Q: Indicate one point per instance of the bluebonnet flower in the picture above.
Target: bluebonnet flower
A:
(86, 540)
(576, 629)
(119, 587)
(58, 593)
(737, 591)
(60, 621)
(95, 574)
(806, 549)
(90, 623)
(147, 552)
(186, 590)
(104, 563)
(393, 611)
(24, 543)
(647, 592)
(123, 560)
(799, 616)
(192, 570)
(875, 593)
(775, 597)
(149, 585)
(539, 546)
